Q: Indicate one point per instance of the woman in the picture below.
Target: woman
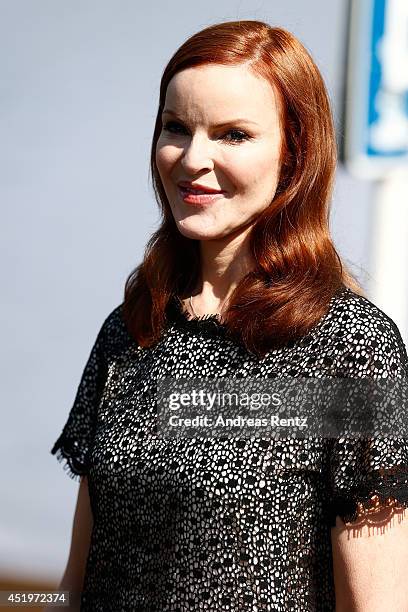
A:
(241, 280)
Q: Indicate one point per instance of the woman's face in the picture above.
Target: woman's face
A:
(221, 129)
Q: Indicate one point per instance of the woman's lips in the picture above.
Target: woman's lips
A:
(199, 199)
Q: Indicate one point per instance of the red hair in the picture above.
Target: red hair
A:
(296, 267)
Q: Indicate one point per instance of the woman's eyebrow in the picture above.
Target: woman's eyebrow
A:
(168, 111)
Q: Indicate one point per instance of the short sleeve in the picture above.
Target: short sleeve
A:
(367, 474)
(74, 444)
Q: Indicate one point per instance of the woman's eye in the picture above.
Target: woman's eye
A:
(170, 125)
(241, 135)
(238, 135)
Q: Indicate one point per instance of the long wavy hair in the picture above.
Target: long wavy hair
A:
(297, 269)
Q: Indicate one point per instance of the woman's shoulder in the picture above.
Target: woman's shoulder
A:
(364, 335)
(114, 336)
(355, 316)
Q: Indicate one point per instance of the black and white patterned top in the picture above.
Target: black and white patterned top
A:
(220, 523)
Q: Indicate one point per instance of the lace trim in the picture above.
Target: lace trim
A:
(383, 491)
(377, 503)
(64, 450)
(210, 324)
(354, 510)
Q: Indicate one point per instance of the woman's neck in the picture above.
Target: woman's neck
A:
(223, 264)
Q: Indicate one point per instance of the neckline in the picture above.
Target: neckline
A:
(207, 322)
(191, 317)
(214, 325)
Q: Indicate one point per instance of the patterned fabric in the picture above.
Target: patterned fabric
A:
(223, 524)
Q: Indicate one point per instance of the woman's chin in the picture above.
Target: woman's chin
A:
(198, 231)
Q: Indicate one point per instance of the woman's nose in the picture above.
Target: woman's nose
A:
(198, 154)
